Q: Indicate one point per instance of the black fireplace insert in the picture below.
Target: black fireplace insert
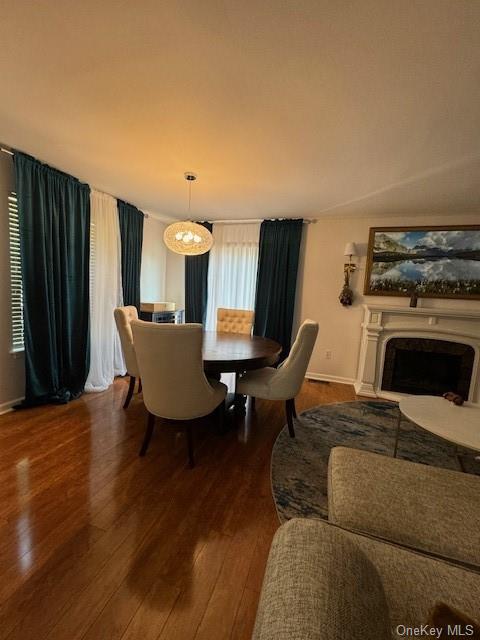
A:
(425, 366)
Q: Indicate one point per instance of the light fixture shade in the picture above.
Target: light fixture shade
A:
(188, 238)
(350, 249)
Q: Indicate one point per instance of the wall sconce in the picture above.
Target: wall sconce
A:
(346, 294)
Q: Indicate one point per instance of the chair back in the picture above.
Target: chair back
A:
(291, 372)
(124, 316)
(235, 320)
(171, 367)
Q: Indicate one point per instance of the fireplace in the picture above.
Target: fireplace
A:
(427, 366)
(439, 330)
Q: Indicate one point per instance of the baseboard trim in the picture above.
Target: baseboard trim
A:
(326, 377)
(8, 406)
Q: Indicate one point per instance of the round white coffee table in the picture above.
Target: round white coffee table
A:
(460, 425)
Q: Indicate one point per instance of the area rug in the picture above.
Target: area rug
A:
(299, 465)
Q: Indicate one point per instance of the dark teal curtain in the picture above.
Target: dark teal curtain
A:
(279, 252)
(54, 219)
(196, 278)
(131, 234)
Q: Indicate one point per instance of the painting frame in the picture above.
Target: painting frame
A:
(369, 291)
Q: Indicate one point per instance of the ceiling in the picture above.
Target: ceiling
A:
(283, 107)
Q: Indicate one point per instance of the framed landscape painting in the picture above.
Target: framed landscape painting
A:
(434, 262)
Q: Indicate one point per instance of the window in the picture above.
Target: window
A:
(16, 288)
(232, 269)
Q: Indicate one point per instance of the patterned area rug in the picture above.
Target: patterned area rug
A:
(299, 465)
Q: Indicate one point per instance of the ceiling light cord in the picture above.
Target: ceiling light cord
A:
(190, 177)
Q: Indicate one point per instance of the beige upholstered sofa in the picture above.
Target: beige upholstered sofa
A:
(401, 537)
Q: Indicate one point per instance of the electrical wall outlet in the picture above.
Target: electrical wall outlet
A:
(328, 354)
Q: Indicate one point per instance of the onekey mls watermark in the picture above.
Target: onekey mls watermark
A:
(426, 631)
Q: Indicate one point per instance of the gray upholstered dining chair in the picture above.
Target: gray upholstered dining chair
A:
(124, 316)
(175, 386)
(284, 382)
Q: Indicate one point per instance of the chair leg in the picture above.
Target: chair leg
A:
(131, 387)
(220, 410)
(289, 412)
(191, 460)
(148, 434)
(294, 409)
(139, 385)
(252, 404)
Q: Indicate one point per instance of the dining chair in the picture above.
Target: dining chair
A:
(235, 321)
(124, 316)
(285, 381)
(175, 386)
(238, 321)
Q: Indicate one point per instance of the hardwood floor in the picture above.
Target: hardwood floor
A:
(100, 544)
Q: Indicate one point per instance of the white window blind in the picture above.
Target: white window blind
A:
(16, 288)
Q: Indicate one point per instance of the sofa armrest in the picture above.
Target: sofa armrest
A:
(318, 586)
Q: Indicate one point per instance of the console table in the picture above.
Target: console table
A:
(171, 317)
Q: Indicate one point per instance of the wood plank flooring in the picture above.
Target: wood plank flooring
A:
(99, 544)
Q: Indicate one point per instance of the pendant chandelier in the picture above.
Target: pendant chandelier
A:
(188, 238)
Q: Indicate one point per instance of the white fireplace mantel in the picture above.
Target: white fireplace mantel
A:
(382, 322)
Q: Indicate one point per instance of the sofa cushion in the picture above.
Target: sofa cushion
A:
(319, 586)
(435, 510)
(413, 582)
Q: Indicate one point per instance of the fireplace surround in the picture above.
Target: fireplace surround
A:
(448, 341)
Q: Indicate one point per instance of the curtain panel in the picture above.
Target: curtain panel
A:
(277, 280)
(233, 269)
(131, 233)
(106, 358)
(54, 220)
(196, 278)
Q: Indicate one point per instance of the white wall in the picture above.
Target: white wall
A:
(175, 284)
(11, 365)
(321, 278)
(154, 261)
(163, 272)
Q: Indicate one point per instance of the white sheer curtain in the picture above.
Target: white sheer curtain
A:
(232, 269)
(106, 358)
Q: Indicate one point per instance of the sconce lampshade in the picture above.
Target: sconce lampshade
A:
(350, 249)
(188, 238)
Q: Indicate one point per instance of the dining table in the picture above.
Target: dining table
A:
(236, 353)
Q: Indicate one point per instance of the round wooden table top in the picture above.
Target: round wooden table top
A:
(236, 352)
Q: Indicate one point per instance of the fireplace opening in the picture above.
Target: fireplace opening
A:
(425, 366)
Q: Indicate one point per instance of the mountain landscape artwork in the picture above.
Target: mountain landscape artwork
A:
(432, 262)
